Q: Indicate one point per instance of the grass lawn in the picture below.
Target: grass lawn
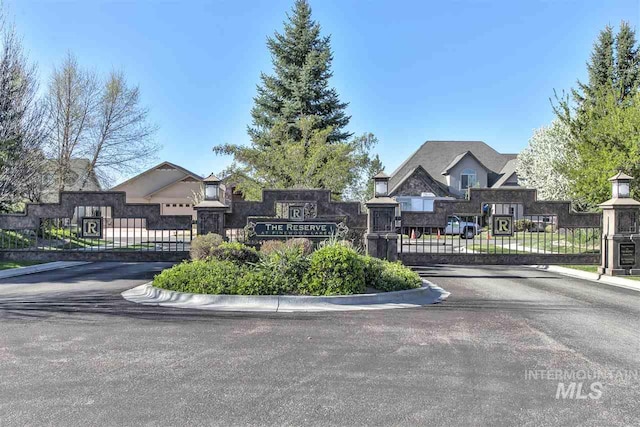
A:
(5, 265)
(491, 249)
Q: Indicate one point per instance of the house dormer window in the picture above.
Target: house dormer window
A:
(468, 179)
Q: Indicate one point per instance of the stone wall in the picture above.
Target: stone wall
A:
(442, 209)
(327, 210)
(69, 200)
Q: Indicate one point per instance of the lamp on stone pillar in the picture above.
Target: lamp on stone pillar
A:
(381, 237)
(381, 185)
(620, 231)
(211, 188)
(211, 210)
(620, 185)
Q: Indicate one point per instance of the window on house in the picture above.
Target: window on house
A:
(174, 205)
(181, 205)
(167, 205)
(468, 179)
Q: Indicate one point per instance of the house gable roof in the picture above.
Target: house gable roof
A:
(457, 160)
(171, 184)
(160, 166)
(420, 173)
(432, 155)
(507, 172)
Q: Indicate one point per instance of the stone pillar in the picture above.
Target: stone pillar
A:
(381, 238)
(210, 218)
(620, 233)
(210, 212)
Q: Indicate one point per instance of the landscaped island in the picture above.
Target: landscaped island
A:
(290, 267)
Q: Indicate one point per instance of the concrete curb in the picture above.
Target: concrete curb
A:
(39, 268)
(593, 277)
(149, 295)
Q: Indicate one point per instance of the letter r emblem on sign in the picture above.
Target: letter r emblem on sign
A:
(502, 225)
(92, 227)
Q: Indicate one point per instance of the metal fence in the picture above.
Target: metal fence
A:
(533, 234)
(118, 235)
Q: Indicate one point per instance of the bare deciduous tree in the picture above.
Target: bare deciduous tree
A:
(22, 130)
(71, 101)
(122, 136)
(102, 122)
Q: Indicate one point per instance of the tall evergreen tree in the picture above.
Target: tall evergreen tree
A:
(600, 68)
(298, 136)
(603, 117)
(627, 66)
(300, 84)
(614, 66)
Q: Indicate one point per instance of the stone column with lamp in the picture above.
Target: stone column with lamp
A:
(381, 238)
(211, 210)
(620, 234)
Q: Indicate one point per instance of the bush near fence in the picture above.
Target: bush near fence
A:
(286, 269)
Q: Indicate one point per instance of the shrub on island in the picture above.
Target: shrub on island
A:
(235, 252)
(202, 246)
(286, 269)
(335, 270)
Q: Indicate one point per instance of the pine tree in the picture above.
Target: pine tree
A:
(600, 68)
(603, 117)
(299, 86)
(298, 136)
(627, 71)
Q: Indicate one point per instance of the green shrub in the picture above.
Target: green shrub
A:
(335, 270)
(304, 245)
(270, 246)
(372, 271)
(335, 241)
(397, 277)
(258, 282)
(523, 225)
(203, 246)
(235, 252)
(287, 268)
(201, 277)
(389, 276)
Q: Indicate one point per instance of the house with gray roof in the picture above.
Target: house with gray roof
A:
(173, 187)
(449, 168)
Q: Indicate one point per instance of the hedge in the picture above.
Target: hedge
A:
(334, 269)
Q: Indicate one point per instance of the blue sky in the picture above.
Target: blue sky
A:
(411, 70)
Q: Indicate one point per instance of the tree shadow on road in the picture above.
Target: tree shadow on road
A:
(84, 307)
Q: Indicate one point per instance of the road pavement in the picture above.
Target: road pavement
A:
(73, 352)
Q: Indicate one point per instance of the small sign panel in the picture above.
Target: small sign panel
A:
(296, 229)
(627, 254)
(503, 225)
(92, 227)
(296, 213)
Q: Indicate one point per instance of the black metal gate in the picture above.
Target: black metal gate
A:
(95, 226)
(463, 231)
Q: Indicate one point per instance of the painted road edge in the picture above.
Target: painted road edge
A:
(147, 294)
(593, 277)
(39, 268)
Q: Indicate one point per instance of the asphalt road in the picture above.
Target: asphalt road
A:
(72, 352)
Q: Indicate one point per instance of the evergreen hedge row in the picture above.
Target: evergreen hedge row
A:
(288, 269)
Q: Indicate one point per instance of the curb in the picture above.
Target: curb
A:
(39, 268)
(593, 277)
(149, 295)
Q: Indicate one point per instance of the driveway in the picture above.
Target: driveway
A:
(72, 352)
